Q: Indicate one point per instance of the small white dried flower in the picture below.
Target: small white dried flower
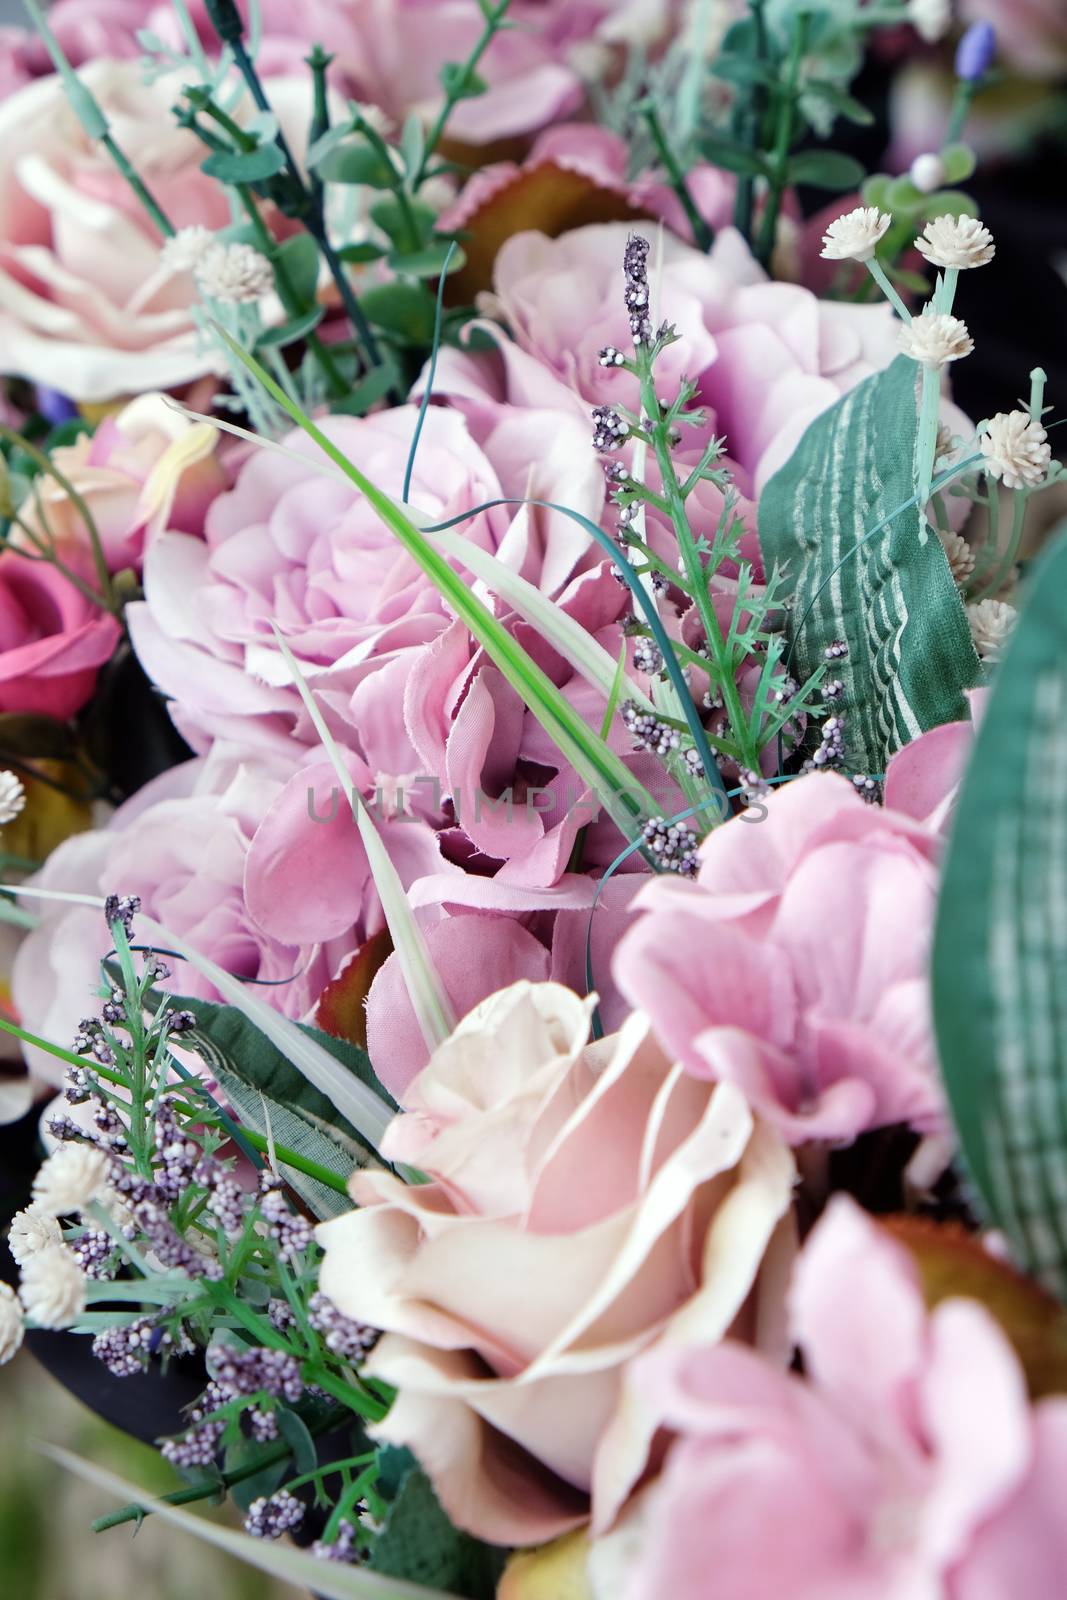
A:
(187, 248)
(71, 1179)
(990, 623)
(855, 236)
(12, 797)
(956, 242)
(53, 1288)
(10, 1323)
(960, 556)
(935, 339)
(931, 19)
(927, 172)
(234, 274)
(32, 1231)
(1015, 449)
(945, 443)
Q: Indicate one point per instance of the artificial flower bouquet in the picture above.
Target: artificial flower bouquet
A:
(533, 820)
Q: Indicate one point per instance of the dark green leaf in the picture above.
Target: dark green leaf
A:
(241, 166)
(733, 156)
(358, 162)
(369, 390)
(294, 1431)
(460, 84)
(290, 332)
(299, 256)
(262, 1483)
(428, 263)
(826, 169)
(889, 597)
(747, 70)
(420, 1544)
(404, 309)
(1000, 945)
(404, 220)
(360, 254)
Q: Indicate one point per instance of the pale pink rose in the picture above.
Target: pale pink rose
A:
(802, 977)
(86, 306)
(181, 844)
(145, 470)
(767, 357)
(906, 1464)
(53, 640)
(16, 59)
(585, 1202)
(290, 545)
(923, 778)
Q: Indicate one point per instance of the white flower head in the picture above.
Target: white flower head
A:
(10, 1323)
(855, 236)
(1015, 449)
(956, 242)
(931, 19)
(72, 1178)
(234, 274)
(927, 172)
(53, 1288)
(960, 556)
(935, 339)
(12, 797)
(32, 1231)
(990, 622)
(187, 248)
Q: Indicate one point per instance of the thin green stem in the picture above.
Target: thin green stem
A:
(878, 273)
(749, 130)
(299, 1163)
(703, 237)
(460, 82)
(783, 141)
(287, 294)
(46, 465)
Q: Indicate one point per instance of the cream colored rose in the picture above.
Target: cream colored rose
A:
(586, 1202)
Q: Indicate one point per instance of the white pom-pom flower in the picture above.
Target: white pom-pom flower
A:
(990, 622)
(927, 172)
(234, 274)
(72, 1178)
(960, 556)
(10, 1323)
(184, 251)
(958, 242)
(1015, 449)
(12, 797)
(935, 339)
(32, 1231)
(855, 236)
(53, 1288)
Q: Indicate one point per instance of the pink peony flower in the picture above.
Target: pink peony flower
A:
(181, 844)
(85, 305)
(586, 1202)
(142, 471)
(767, 357)
(804, 979)
(52, 639)
(907, 1463)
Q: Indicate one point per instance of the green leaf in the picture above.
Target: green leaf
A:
(405, 310)
(732, 156)
(420, 1544)
(948, 203)
(902, 195)
(298, 1132)
(292, 331)
(826, 169)
(958, 161)
(244, 166)
(300, 258)
(1000, 945)
(359, 254)
(889, 596)
(845, 105)
(264, 1483)
(413, 144)
(294, 1431)
(401, 218)
(358, 162)
(460, 83)
(430, 262)
(369, 390)
(875, 190)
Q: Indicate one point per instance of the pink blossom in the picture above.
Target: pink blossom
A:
(585, 1202)
(907, 1464)
(804, 979)
(53, 640)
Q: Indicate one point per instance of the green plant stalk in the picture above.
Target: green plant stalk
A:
(624, 798)
(881, 278)
(696, 575)
(703, 237)
(299, 1163)
(783, 142)
(1020, 501)
(494, 17)
(403, 199)
(746, 184)
(930, 406)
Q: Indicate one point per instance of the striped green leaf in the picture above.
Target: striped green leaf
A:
(888, 594)
(1000, 949)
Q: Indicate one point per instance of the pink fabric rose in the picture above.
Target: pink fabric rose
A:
(585, 1202)
(86, 306)
(804, 975)
(291, 545)
(907, 1464)
(52, 639)
(767, 357)
(142, 471)
(181, 844)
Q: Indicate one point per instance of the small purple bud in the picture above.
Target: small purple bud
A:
(54, 406)
(975, 52)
